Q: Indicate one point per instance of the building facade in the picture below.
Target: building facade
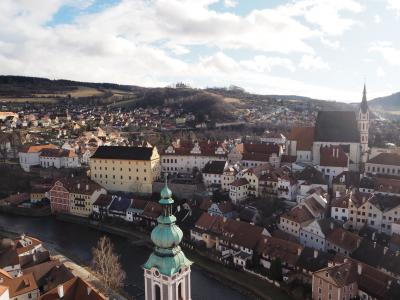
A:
(127, 169)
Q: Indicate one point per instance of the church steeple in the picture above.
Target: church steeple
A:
(167, 271)
(364, 104)
(363, 126)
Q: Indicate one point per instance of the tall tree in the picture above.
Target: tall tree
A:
(106, 263)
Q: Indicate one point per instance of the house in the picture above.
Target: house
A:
(184, 156)
(212, 174)
(127, 169)
(351, 279)
(59, 158)
(30, 155)
(287, 187)
(223, 209)
(134, 213)
(342, 241)
(333, 161)
(22, 287)
(256, 154)
(74, 289)
(272, 248)
(238, 191)
(228, 176)
(300, 142)
(83, 193)
(232, 239)
(384, 164)
(119, 206)
(314, 234)
(151, 212)
(59, 197)
(291, 222)
(101, 206)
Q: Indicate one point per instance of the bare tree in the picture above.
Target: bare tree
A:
(106, 263)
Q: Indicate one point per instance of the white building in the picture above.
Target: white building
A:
(238, 191)
(30, 156)
(185, 157)
(59, 158)
(287, 188)
(212, 174)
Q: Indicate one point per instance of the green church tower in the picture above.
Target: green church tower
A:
(167, 271)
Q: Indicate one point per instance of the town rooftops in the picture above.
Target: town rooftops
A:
(73, 289)
(336, 126)
(103, 200)
(215, 167)
(385, 202)
(20, 285)
(123, 153)
(390, 159)
(341, 275)
(240, 182)
(344, 239)
(311, 175)
(299, 214)
(58, 153)
(272, 248)
(38, 148)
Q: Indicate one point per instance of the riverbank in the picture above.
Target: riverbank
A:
(77, 270)
(246, 283)
(25, 211)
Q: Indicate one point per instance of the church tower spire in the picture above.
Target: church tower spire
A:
(363, 125)
(167, 271)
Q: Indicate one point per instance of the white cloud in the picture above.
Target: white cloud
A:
(377, 19)
(393, 5)
(230, 3)
(389, 53)
(380, 72)
(327, 14)
(261, 63)
(309, 62)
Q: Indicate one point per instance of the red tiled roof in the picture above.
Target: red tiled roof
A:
(304, 137)
(333, 156)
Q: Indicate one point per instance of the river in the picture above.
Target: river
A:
(77, 241)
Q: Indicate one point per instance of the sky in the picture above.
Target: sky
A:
(324, 49)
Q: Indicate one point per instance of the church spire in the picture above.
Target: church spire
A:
(364, 104)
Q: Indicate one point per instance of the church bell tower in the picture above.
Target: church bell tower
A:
(167, 271)
(363, 126)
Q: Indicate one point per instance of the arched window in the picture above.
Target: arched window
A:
(180, 292)
(157, 292)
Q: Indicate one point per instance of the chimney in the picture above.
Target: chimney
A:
(374, 245)
(385, 249)
(332, 225)
(337, 194)
(79, 185)
(224, 219)
(298, 251)
(88, 290)
(87, 187)
(397, 253)
(373, 236)
(359, 268)
(34, 257)
(315, 253)
(60, 291)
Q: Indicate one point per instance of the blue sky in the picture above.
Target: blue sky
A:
(318, 48)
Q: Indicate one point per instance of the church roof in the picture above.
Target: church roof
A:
(336, 126)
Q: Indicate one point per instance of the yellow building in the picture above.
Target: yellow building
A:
(82, 194)
(128, 169)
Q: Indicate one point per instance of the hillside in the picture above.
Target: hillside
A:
(217, 103)
(388, 103)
